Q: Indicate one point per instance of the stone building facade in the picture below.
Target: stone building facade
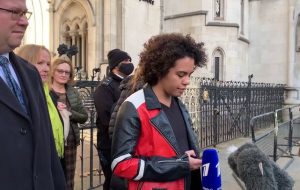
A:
(242, 37)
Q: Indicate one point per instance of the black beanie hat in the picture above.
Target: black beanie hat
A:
(115, 57)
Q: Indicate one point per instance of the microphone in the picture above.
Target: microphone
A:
(211, 173)
(257, 170)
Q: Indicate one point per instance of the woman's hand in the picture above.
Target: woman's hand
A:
(195, 163)
(61, 106)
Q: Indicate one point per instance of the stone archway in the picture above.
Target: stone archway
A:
(73, 22)
(85, 5)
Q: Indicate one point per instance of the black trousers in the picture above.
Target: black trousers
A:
(105, 161)
(196, 182)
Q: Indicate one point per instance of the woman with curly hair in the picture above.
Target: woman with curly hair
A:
(154, 146)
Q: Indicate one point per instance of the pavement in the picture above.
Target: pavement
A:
(85, 178)
(228, 181)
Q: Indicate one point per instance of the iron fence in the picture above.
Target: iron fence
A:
(88, 146)
(220, 111)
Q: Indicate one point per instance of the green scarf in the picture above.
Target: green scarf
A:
(57, 126)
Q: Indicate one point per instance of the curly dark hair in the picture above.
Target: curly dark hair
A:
(162, 51)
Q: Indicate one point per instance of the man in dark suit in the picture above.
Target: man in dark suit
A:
(28, 159)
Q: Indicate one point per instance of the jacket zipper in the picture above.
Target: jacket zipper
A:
(165, 161)
(165, 138)
(172, 161)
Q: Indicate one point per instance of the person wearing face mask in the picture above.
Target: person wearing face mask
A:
(106, 95)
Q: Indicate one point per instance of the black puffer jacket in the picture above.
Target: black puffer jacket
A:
(126, 90)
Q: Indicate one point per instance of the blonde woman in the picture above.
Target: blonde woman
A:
(68, 99)
(40, 57)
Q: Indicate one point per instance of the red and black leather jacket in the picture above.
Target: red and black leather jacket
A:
(145, 150)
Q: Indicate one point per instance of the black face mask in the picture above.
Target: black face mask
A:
(126, 68)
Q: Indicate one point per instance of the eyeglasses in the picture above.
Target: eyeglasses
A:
(60, 71)
(17, 14)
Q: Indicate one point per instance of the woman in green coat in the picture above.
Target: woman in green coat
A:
(72, 111)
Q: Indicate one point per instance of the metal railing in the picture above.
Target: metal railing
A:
(86, 89)
(221, 110)
(279, 140)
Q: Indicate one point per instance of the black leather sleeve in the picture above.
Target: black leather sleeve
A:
(126, 135)
(126, 132)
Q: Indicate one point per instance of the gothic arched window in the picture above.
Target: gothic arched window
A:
(219, 9)
(218, 64)
(77, 35)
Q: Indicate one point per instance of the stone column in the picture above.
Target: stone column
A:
(73, 36)
(292, 42)
(83, 58)
(77, 44)
(52, 44)
(292, 90)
